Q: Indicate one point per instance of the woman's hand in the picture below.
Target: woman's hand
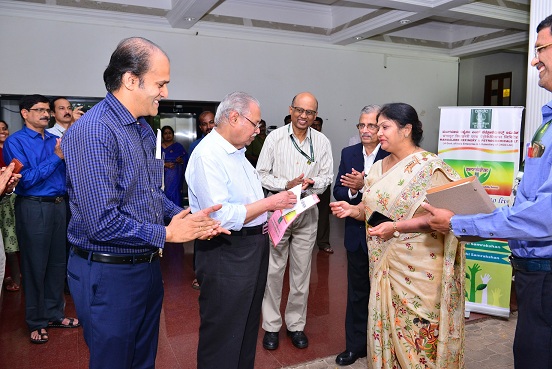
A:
(343, 209)
(169, 165)
(383, 230)
(8, 180)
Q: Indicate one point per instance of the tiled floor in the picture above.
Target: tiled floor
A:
(179, 321)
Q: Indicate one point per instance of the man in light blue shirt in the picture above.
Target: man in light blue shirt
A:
(527, 226)
(231, 269)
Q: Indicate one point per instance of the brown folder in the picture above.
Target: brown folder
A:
(465, 196)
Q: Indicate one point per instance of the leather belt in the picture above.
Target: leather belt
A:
(54, 199)
(251, 231)
(102, 257)
(531, 264)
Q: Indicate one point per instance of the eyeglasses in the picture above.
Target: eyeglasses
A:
(40, 110)
(539, 49)
(300, 111)
(257, 126)
(370, 126)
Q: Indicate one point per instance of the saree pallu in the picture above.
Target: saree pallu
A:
(416, 308)
(174, 177)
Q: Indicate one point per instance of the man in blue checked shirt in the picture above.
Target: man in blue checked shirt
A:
(528, 227)
(118, 210)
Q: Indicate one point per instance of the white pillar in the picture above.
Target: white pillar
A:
(536, 96)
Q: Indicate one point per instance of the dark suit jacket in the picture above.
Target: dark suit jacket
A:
(355, 231)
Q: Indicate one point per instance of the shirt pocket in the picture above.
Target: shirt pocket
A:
(534, 175)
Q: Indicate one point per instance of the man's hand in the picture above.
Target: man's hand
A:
(282, 200)
(343, 209)
(77, 113)
(57, 149)
(295, 181)
(185, 227)
(354, 180)
(439, 219)
(307, 182)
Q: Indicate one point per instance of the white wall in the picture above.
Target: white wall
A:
(68, 58)
(472, 72)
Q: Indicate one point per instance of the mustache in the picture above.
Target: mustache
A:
(67, 115)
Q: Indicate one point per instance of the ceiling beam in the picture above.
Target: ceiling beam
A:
(185, 13)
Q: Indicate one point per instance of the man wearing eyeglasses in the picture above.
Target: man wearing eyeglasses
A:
(293, 155)
(231, 268)
(206, 123)
(40, 215)
(356, 161)
(527, 226)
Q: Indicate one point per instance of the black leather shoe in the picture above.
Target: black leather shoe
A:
(271, 340)
(347, 358)
(298, 338)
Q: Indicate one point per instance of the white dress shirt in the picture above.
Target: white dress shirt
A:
(218, 173)
(368, 162)
(57, 130)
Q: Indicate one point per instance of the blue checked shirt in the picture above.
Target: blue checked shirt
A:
(527, 224)
(114, 182)
(43, 172)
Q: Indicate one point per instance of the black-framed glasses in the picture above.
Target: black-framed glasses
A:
(370, 126)
(300, 111)
(539, 49)
(257, 126)
(40, 110)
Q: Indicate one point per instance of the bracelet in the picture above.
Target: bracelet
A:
(358, 213)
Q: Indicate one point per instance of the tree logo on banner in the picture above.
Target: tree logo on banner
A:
(481, 118)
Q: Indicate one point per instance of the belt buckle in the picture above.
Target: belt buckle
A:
(265, 228)
(58, 200)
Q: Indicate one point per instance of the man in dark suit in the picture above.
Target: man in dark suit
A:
(355, 162)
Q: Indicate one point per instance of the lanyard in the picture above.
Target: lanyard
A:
(310, 159)
(540, 132)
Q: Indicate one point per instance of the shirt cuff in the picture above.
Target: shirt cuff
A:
(351, 196)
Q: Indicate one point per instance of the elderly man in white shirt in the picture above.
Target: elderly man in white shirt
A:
(231, 269)
(294, 154)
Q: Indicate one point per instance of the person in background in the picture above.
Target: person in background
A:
(7, 226)
(40, 216)
(63, 114)
(293, 155)
(255, 147)
(9, 180)
(231, 269)
(117, 226)
(416, 303)
(206, 123)
(355, 162)
(287, 119)
(175, 159)
(323, 230)
(527, 227)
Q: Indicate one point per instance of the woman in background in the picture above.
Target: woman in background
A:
(416, 305)
(175, 157)
(7, 225)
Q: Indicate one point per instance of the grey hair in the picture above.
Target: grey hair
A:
(236, 101)
(368, 109)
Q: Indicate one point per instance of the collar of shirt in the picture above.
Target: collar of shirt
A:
(227, 146)
(123, 115)
(291, 133)
(372, 154)
(547, 112)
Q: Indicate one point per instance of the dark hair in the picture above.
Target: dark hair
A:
(167, 127)
(28, 101)
(404, 114)
(53, 102)
(6, 123)
(131, 55)
(287, 118)
(318, 119)
(546, 23)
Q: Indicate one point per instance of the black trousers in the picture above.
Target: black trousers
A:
(41, 233)
(323, 231)
(358, 292)
(232, 272)
(533, 338)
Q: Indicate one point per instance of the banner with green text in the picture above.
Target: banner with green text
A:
(485, 142)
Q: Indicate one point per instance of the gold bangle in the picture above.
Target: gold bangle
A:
(358, 212)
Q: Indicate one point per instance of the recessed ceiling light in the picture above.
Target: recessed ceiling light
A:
(189, 19)
(405, 21)
(358, 38)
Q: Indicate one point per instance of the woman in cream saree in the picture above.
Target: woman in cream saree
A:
(416, 306)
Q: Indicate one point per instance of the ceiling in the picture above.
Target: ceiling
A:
(455, 28)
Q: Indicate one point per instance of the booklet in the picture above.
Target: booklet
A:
(465, 196)
(280, 220)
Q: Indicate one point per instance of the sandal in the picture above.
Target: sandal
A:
(12, 286)
(42, 336)
(195, 285)
(327, 250)
(59, 323)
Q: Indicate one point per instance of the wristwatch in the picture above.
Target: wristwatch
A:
(396, 232)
